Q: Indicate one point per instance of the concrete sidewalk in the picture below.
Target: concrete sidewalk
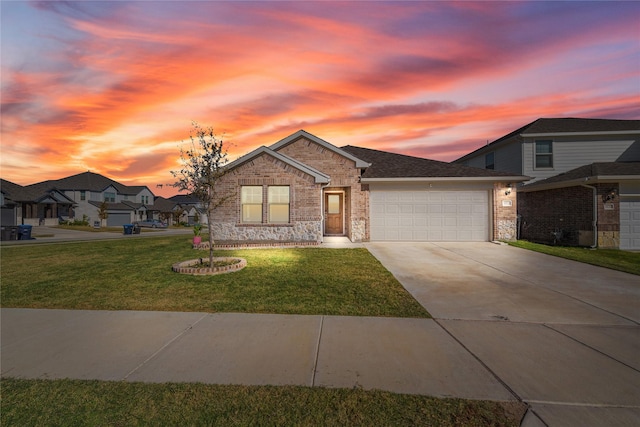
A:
(400, 355)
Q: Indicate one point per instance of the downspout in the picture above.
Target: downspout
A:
(322, 210)
(595, 213)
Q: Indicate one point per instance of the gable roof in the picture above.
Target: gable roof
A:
(164, 205)
(556, 127)
(185, 199)
(37, 194)
(588, 174)
(85, 181)
(320, 178)
(11, 190)
(577, 126)
(304, 134)
(386, 165)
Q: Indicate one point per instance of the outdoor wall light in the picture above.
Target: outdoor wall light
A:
(506, 193)
(610, 195)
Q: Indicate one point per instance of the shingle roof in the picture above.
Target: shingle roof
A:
(185, 199)
(19, 193)
(588, 174)
(11, 190)
(87, 181)
(577, 125)
(392, 165)
(559, 126)
(163, 205)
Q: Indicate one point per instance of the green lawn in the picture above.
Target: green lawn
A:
(135, 274)
(91, 403)
(626, 261)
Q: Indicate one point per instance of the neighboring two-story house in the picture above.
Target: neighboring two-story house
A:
(77, 197)
(585, 179)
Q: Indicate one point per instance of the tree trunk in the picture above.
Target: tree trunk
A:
(211, 242)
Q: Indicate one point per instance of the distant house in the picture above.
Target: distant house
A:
(77, 197)
(33, 206)
(303, 188)
(192, 209)
(585, 183)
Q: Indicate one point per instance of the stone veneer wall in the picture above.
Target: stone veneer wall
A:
(505, 222)
(344, 176)
(300, 231)
(305, 196)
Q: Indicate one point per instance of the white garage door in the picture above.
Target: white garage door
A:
(430, 216)
(630, 225)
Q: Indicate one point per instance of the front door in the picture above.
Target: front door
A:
(333, 213)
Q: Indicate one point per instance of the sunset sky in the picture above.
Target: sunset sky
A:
(113, 87)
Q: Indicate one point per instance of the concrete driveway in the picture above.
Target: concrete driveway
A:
(563, 336)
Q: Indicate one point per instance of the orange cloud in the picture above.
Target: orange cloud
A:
(113, 86)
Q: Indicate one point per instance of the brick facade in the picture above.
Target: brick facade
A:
(305, 195)
(565, 216)
(504, 212)
(344, 177)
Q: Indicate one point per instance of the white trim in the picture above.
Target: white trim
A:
(320, 178)
(617, 132)
(360, 164)
(578, 181)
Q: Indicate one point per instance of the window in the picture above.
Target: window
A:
(279, 204)
(251, 200)
(83, 195)
(489, 162)
(544, 154)
(110, 197)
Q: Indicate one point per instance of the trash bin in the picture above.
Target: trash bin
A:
(136, 229)
(13, 232)
(24, 231)
(128, 228)
(5, 233)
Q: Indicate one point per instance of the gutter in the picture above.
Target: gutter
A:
(595, 213)
(514, 178)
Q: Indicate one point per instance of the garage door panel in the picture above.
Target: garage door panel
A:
(430, 215)
(118, 219)
(630, 224)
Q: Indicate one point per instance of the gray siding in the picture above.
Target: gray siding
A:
(572, 152)
(508, 158)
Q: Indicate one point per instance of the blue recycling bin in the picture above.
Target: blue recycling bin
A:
(128, 228)
(24, 231)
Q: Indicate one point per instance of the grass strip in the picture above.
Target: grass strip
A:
(81, 403)
(615, 259)
(135, 274)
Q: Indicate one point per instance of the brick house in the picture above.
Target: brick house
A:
(593, 205)
(303, 188)
(568, 160)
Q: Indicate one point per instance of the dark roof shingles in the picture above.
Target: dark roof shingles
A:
(391, 165)
(590, 171)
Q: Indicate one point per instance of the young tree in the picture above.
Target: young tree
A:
(103, 213)
(202, 166)
(177, 213)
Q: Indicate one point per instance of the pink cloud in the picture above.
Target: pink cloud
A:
(118, 75)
